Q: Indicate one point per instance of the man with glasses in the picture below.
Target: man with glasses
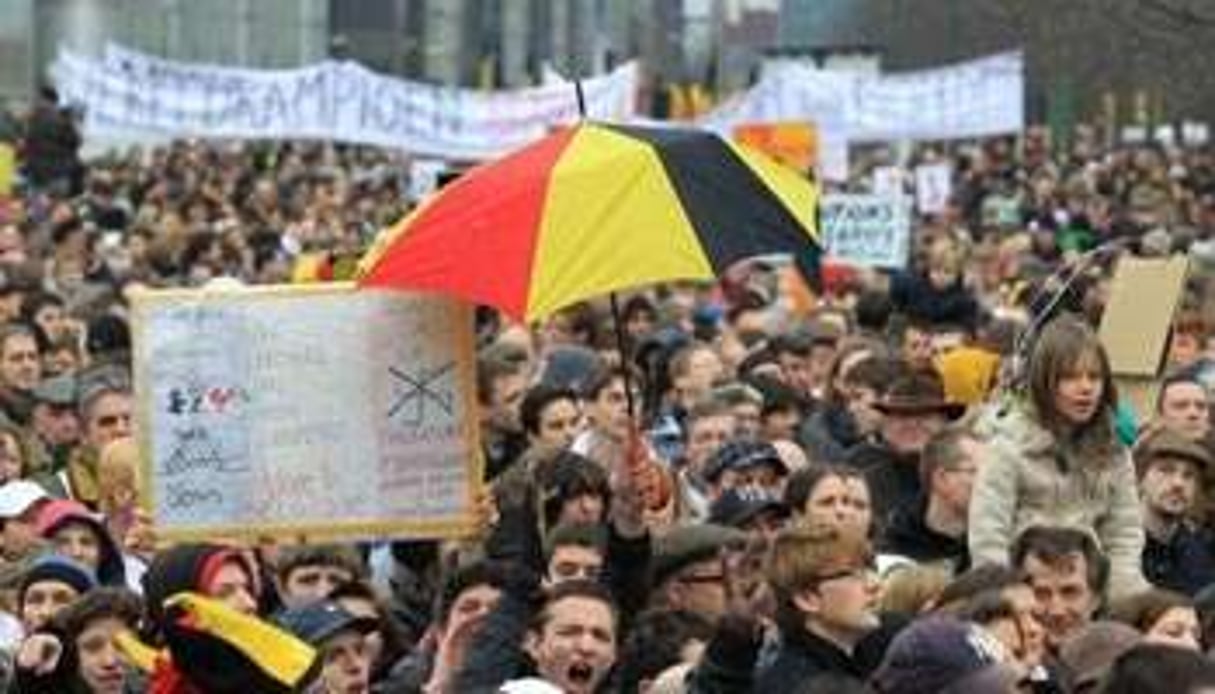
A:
(689, 568)
(826, 592)
(934, 529)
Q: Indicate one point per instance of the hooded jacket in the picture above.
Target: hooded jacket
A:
(1031, 478)
(111, 569)
(212, 649)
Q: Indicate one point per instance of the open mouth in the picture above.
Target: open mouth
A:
(581, 674)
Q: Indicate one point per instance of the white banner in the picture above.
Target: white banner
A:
(134, 93)
(867, 230)
(973, 99)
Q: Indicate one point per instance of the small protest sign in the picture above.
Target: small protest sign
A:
(933, 187)
(794, 144)
(313, 411)
(888, 181)
(867, 230)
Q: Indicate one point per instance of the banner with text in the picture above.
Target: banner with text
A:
(867, 230)
(128, 93)
(315, 412)
(972, 99)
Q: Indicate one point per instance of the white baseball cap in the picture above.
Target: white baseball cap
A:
(17, 496)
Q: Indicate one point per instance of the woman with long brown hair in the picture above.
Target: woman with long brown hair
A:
(1056, 459)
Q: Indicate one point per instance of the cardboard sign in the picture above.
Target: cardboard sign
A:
(933, 186)
(297, 411)
(1139, 314)
(794, 144)
(867, 230)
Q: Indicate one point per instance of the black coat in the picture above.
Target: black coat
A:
(52, 144)
(829, 434)
(803, 655)
(915, 296)
(894, 480)
(908, 535)
(1184, 564)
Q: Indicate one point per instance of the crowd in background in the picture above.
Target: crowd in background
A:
(890, 481)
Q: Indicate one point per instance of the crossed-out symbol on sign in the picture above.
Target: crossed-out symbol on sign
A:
(418, 390)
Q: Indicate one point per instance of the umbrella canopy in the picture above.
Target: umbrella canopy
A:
(593, 208)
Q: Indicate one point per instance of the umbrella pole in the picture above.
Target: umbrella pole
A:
(622, 346)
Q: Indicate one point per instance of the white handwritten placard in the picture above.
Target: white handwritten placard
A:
(316, 412)
(867, 230)
(932, 187)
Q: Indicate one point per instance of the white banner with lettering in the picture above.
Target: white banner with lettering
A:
(972, 99)
(131, 93)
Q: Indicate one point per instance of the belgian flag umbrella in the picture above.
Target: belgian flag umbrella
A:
(594, 208)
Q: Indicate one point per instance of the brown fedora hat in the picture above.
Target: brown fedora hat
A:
(918, 393)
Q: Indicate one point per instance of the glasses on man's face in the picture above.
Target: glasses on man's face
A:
(865, 572)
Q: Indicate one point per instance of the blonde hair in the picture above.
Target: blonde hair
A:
(118, 472)
(802, 555)
(912, 589)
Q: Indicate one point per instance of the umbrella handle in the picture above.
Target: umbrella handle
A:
(622, 341)
(634, 446)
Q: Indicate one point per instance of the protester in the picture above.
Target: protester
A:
(1068, 575)
(1177, 553)
(1159, 669)
(914, 409)
(807, 427)
(340, 638)
(1162, 617)
(826, 595)
(311, 573)
(51, 584)
(1183, 404)
(83, 644)
(934, 530)
(836, 497)
(1056, 460)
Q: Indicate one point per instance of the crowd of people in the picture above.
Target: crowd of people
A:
(861, 481)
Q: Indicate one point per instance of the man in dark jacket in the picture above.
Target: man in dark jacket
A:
(826, 607)
(915, 410)
(934, 530)
(1177, 554)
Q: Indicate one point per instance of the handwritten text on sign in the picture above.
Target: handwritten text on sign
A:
(327, 412)
(867, 230)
